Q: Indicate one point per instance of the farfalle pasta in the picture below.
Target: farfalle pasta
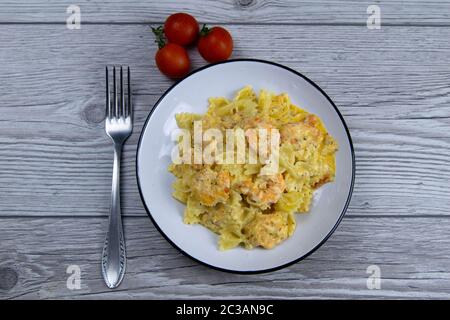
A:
(241, 202)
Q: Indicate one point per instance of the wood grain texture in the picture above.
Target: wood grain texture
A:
(411, 12)
(56, 159)
(413, 255)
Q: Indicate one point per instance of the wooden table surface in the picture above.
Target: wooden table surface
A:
(392, 86)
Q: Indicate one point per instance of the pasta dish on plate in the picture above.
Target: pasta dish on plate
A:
(245, 202)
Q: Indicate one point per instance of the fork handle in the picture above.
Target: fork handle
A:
(114, 256)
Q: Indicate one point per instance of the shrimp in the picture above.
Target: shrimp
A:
(295, 133)
(255, 137)
(211, 187)
(267, 230)
(264, 191)
(257, 123)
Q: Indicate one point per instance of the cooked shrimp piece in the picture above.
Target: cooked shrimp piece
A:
(296, 133)
(251, 133)
(267, 230)
(255, 137)
(258, 123)
(211, 187)
(264, 191)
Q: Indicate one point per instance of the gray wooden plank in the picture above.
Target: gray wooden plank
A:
(398, 72)
(56, 159)
(412, 254)
(236, 11)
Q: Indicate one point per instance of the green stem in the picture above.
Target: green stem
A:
(159, 34)
(205, 30)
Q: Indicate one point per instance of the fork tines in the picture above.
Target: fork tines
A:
(120, 104)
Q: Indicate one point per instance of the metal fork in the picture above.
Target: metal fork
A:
(118, 126)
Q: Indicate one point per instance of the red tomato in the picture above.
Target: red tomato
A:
(173, 60)
(181, 28)
(215, 44)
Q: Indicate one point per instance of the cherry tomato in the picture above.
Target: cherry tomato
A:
(173, 60)
(215, 44)
(181, 28)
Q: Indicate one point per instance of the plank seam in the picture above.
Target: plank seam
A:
(332, 24)
(135, 216)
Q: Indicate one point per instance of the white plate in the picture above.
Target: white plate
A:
(191, 95)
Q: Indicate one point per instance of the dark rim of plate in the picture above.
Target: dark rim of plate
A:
(350, 191)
